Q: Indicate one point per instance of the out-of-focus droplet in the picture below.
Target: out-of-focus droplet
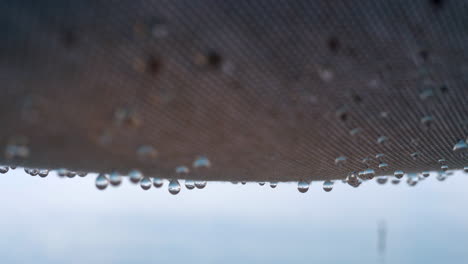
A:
(379, 156)
(71, 174)
(202, 162)
(145, 183)
(427, 121)
(395, 181)
(444, 167)
(13, 167)
(415, 155)
(340, 161)
(243, 182)
(369, 173)
(146, 152)
(115, 179)
(189, 184)
(382, 139)
(174, 187)
(273, 184)
(81, 173)
(382, 179)
(158, 182)
(101, 181)
(383, 166)
(135, 176)
(465, 169)
(426, 174)
(33, 172)
(261, 183)
(327, 186)
(460, 146)
(398, 174)
(62, 172)
(355, 131)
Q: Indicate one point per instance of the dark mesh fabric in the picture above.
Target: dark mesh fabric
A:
(267, 90)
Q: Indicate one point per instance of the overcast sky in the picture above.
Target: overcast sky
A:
(56, 220)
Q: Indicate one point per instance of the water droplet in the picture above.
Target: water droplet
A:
(367, 161)
(13, 167)
(353, 180)
(383, 166)
(465, 169)
(135, 176)
(16, 151)
(146, 152)
(426, 174)
(444, 167)
(102, 182)
(340, 161)
(426, 94)
(382, 139)
(412, 180)
(427, 121)
(369, 173)
(382, 179)
(261, 183)
(182, 170)
(81, 173)
(189, 184)
(395, 181)
(379, 156)
(174, 187)
(61, 172)
(33, 172)
(4, 169)
(200, 184)
(302, 186)
(273, 184)
(461, 146)
(441, 177)
(71, 174)
(398, 174)
(43, 173)
(355, 131)
(243, 182)
(145, 183)
(115, 179)
(442, 161)
(202, 162)
(158, 182)
(327, 186)
(415, 155)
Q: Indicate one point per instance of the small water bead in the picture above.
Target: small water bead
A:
(461, 146)
(465, 169)
(353, 180)
(13, 167)
(273, 184)
(427, 121)
(426, 94)
(174, 187)
(442, 161)
(412, 179)
(158, 182)
(15, 151)
(145, 183)
(382, 139)
(355, 131)
(189, 184)
(43, 173)
(115, 179)
(302, 186)
(327, 186)
(101, 181)
(398, 174)
(202, 162)
(379, 156)
(146, 152)
(441, 177)
(200, 184)
(182, 170)
(369, 173)
(243, 182)
(426, 174)
(61, 172)
(367, 161)
(382, 179)
(340, 161)
(135, 176)
(4, 169)
(395, 181)
(415, 155)
(383, 166)
(444, 167)
(81, 173)
(261, 183)
(71, 174)
(33, 172)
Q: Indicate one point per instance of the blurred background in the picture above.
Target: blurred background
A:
(63, 220)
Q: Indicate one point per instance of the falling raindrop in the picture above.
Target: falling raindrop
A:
(115, 179)
(302, 186)
(135, 176)
(174, 187)
(398, 174)
(200, 184)
(327, 186)
(43, 173)
(158, 182)
(145, 183)
(382, 179)
(102, 182)
(340, 161)
(444, 167)
(273, 184)
(4, 169)
(189, 184)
